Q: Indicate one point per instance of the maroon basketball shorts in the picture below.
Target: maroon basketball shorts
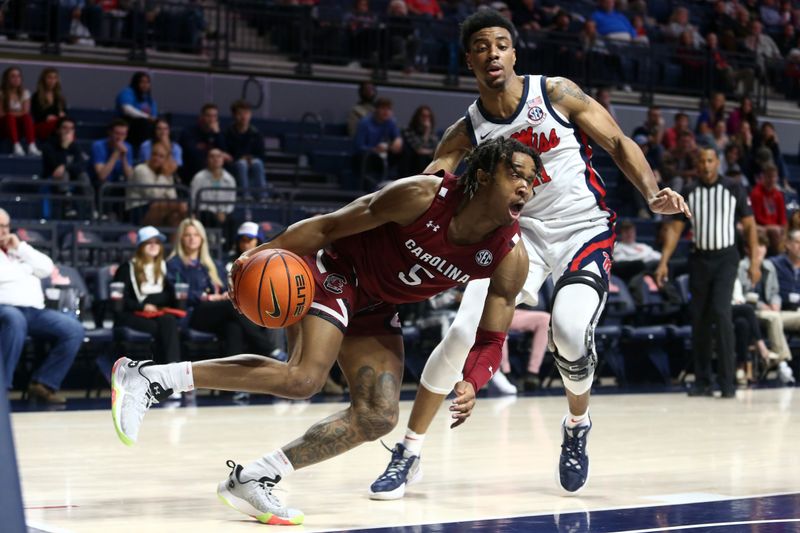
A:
(339, 299)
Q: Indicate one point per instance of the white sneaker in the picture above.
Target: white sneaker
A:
(18, 151)
(500, 384)
(785, 373)
(132, 394)
(33, 150)
(254, 497)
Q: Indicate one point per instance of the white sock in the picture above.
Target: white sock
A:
(175, 376)
(413, 442)
(577, 420)
(271, 465)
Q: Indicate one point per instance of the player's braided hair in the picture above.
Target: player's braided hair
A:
(485, 18)
(488, 155)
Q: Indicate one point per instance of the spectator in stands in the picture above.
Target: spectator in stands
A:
(713, 113)
(364, 107)
(721, 20)
(199, 139)
(429, 8)
(769, 208)
(764, 48)
(747, 146)
(22, 314)
(136, 105)
(62, 158)
(747, 332)
(685, 155)
(632, 257)
(724, 76)
(653, 126)
(246, 146)
(768, 139)
(720, 138)
(640, 27)
(47, 103)
(769, 14)
(612, 24)
(717, 206)
(787, 266)
(156, 202)
(214, 193)
(744, 113)
(766, 298)
(248, 236)
(692, 60)
(671, 135)
(603, 97)
(527, 16)
(360, 23)
(161, 134)
(679, 25)
(419, 141)
(147, 292)
(64, 161)
(112, 157)
(402, 35)
(377, 138)
(787, 39)
(208, 305)
(15, 112)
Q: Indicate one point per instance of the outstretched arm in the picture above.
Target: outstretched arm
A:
(592, 118)
(498, 310)
(453, 147)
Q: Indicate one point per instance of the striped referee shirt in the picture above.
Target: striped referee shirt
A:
(715, 210)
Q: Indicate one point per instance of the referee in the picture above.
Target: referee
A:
(716, 204)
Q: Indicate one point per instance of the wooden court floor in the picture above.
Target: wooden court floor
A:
(645, 450)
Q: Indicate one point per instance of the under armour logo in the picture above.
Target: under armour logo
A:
(434, 227)
(491, 371)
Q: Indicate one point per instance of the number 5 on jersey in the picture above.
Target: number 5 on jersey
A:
(412, 278)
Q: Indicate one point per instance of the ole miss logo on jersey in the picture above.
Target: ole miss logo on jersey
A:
(541, 142)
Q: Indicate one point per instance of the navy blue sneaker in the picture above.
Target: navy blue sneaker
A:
(573, 465)
(403, 470)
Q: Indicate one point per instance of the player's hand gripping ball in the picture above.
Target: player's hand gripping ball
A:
(274, 288)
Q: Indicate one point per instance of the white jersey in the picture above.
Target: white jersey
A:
(571, 193)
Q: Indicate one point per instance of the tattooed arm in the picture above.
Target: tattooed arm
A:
(455, 144)
(593, 119)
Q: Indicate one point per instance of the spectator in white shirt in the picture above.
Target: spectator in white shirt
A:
(218, 197)
(22, 313)
(631, 257)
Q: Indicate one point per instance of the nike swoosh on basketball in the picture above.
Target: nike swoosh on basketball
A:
(276, 307)
(485, 135)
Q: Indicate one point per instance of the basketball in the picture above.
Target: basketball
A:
(274, 289)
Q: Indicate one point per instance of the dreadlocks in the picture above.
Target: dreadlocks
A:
(488, 155)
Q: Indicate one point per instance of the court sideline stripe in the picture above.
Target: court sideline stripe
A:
(710, 524)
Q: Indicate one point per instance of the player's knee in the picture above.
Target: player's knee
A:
(302, 384)
(373, 421)
(569, 336)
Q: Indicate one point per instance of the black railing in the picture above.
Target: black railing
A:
(326, 34)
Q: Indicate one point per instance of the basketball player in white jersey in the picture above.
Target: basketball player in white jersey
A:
(567, 228)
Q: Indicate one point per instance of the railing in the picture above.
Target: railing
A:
(323, 34)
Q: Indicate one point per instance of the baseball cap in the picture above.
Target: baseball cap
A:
(148, 232)
(249, 229)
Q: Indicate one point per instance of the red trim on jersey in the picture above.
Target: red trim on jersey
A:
(605, 243)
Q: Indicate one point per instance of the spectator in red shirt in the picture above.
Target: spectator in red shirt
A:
(671, 135)
(769, 208)
(424, 7)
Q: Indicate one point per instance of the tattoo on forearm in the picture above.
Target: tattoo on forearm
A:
(558, 88)
(373, 412)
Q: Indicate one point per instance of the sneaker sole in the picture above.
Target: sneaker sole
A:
(238, 504)
(399, 492)
(117, 394)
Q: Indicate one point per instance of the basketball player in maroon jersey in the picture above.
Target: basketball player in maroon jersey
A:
(567, 230)
(415, 238)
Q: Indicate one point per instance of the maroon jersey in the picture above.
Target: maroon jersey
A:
(403, 264)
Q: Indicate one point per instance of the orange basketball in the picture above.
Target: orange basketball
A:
(274, 289)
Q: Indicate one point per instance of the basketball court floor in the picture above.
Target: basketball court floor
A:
(659, 462)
